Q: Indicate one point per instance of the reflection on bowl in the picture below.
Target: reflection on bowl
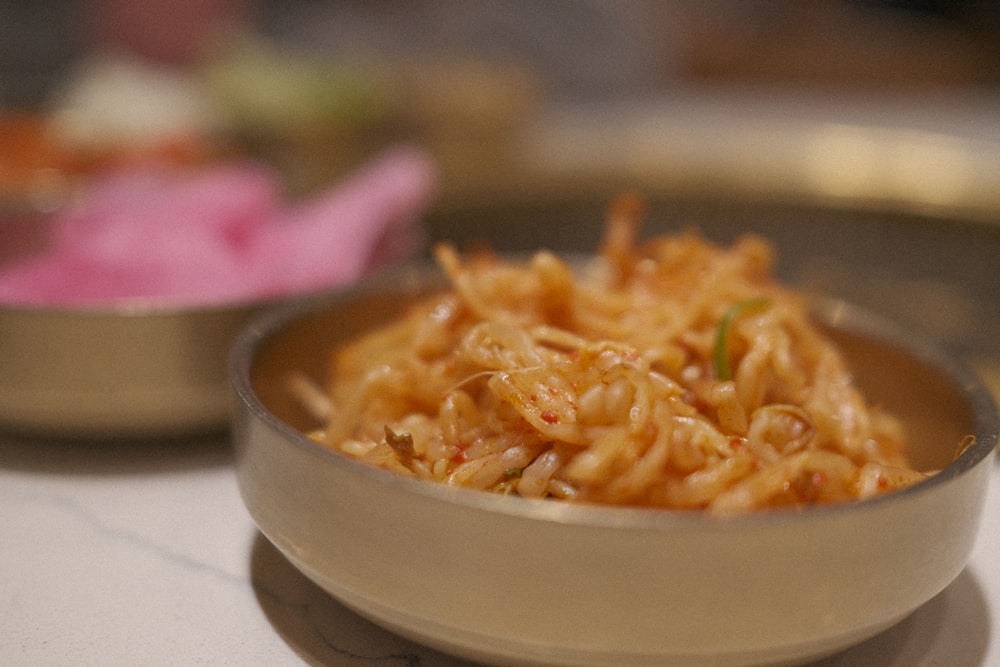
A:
(513, 581)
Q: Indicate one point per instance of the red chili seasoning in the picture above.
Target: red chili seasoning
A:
(550, 417)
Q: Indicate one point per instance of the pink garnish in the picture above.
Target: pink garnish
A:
(222, 235)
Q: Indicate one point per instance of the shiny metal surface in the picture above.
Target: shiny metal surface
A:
(116, 373)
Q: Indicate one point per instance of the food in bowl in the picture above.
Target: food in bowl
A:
(503, 579)
(219, 235)
(674, 373)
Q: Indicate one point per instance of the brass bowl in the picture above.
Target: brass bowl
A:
(507, 580)
(117, 372)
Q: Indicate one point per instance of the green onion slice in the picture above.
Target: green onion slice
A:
(720, 352)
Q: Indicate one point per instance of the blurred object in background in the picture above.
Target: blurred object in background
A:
(170, 31)
(32, 182)
(33, 163)
(107, 113)
(315, 87)
(115, 108)
(577, 49)
(464, 79)
(882, 45)
(38, 38)
(152, 235)
(315, 115)
(89, 86)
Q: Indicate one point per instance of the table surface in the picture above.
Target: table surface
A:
(143, 553)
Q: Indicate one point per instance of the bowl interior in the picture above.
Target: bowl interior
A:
(925, 393)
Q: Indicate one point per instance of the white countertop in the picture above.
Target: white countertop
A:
(143, 554)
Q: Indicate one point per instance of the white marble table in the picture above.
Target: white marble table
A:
(143, 554)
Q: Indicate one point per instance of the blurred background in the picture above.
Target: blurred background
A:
(862, 137)
(315, 85)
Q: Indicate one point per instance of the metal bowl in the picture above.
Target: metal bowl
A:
(117, 372)
(505, 580)
(128, 370)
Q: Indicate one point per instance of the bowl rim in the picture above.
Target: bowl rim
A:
(144, 306)
(833, 312)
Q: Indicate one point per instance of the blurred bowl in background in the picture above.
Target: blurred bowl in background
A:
(118, 308)
(116, 372)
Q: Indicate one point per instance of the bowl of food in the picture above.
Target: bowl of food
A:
(657, 455)
(118, 308)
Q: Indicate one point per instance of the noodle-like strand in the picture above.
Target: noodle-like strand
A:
(597, 384)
